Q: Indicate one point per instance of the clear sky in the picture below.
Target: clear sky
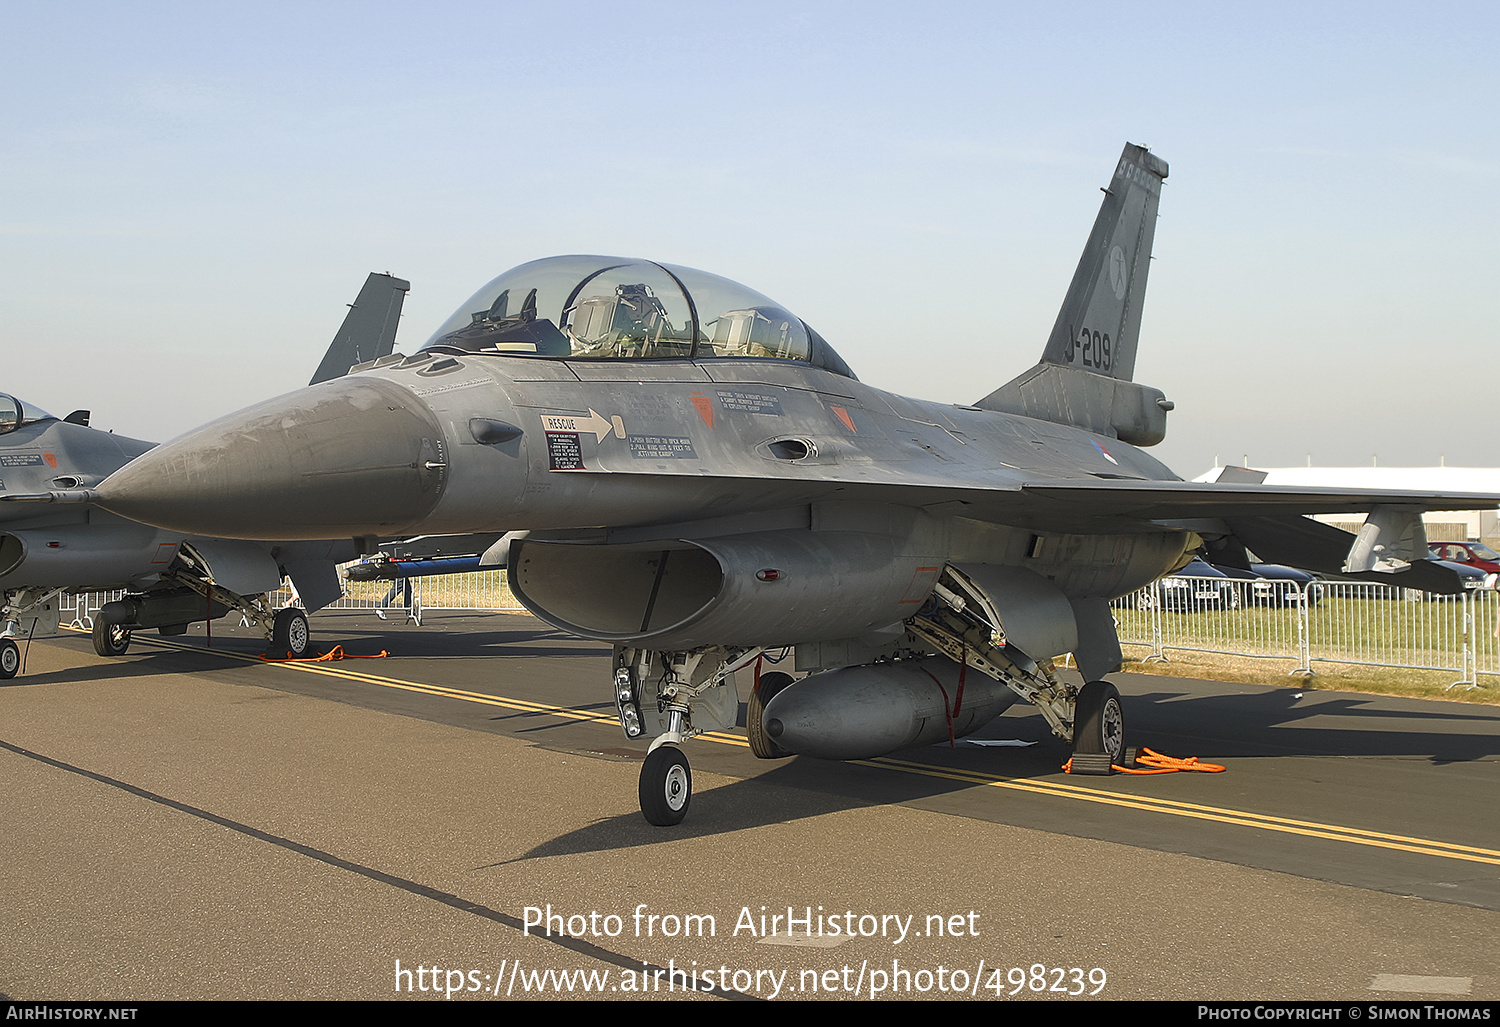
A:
(191, 193)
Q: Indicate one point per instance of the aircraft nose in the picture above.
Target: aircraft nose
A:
(353, 456)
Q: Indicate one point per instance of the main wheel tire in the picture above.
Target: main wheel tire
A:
(1099, 721)
(666, 786)
(10, 659)
(290, 633)
(111, 637)
(762, 744)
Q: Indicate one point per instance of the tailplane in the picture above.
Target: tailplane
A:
(1084, 376)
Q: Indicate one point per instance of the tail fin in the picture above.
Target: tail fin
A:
(369, 329)
(1099, 324)
(1084, 376)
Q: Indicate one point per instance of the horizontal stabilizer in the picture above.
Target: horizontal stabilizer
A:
(1240, 476)
(1132, 413)
(1315, 546)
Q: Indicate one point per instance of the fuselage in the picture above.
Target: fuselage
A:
(446, 443)
(52, 544)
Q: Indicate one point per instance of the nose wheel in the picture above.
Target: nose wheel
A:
(666, 786)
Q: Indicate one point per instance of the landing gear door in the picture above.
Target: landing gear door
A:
(715, 709)
(241, 567)
(718, 708)
(1035, 616)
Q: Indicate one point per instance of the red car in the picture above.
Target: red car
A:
(1470, 554)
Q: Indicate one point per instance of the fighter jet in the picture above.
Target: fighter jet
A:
(703, 480)
(51, 542)
(433, 556)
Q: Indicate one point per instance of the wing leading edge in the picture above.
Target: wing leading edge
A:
(1164, 500)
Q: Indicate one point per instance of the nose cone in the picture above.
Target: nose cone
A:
(353, 456)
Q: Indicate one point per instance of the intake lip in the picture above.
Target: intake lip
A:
(352, 456)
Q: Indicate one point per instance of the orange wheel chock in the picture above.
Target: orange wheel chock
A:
(333, 655)
(1151, 762)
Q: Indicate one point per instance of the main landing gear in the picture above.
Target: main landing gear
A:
(111, 635)
(761, 743)
(960, 622)
(188, 600)
(1099, 722)
(290, 633)
(1098, 730)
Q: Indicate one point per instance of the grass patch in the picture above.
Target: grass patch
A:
(1339, 677)
(475, 590)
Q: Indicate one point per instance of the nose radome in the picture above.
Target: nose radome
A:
(353, 456)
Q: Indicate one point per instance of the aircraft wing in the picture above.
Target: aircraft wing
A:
(1080, 504)
(1158, 500)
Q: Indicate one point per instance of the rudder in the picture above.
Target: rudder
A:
(1099, 325)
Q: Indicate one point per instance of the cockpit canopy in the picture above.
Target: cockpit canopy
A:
(591, 307)
(14, 414)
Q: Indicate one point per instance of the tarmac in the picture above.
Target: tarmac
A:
(191, 823)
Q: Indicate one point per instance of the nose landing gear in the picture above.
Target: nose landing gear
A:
(694, 692)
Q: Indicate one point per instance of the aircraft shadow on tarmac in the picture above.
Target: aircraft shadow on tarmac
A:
(1277, 723)
(1257, 725)
(804, 787)
(431, 642)
(142, 666)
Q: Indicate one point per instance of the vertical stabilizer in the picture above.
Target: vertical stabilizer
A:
(369, 329)
(1084, 376)
(1099, 325)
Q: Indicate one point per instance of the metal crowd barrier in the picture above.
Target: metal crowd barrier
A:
(1330, 622)
(478, 590)
(1323, 621)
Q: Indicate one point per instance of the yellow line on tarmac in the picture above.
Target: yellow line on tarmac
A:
(1311, 829)
(336, 669)
(1055, 789)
